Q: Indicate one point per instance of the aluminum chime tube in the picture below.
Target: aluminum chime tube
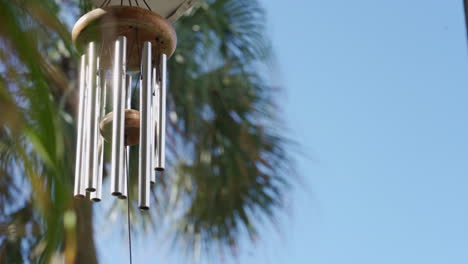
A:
(79, 190)
(118, 87)
(154, 129)
(161, 120)
(93, 121)
(128, 105)
(97, 195)
(146, 123)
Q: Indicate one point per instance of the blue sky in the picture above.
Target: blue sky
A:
(376, 94)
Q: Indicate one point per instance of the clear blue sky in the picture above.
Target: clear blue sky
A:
(376, 93)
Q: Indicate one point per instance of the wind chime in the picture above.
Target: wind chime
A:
(125, 47)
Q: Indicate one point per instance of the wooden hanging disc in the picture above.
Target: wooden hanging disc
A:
(104, 25)
(131, 124)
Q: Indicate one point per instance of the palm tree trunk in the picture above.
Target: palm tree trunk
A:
(86, 248)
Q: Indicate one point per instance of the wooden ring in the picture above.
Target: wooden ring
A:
(131, 127)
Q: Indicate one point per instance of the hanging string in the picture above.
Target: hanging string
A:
(107, 2)
(128, 185)
(147, 5)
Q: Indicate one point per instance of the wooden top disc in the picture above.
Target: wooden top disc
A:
(104, 25)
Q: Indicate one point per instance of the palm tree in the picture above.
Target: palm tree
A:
(229, 169)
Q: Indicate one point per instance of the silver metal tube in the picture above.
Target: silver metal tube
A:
(104, 98)
(92, 108)
(97, 195)
(145, 129)
(161, 161)
(79, 190)
(85, 151)
(124, 194)
(117, 155)
(128, 84)
(154, 128)
(128, 105)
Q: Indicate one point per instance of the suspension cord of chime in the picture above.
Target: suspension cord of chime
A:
(107, 2)
(127, 163)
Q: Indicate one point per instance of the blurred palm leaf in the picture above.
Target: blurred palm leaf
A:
(235, 166)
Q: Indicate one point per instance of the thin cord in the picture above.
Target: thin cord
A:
(128, 206)
(147, 5)
(105, 3)
(128, 194)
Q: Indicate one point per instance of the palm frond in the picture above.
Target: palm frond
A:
(232, 169)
